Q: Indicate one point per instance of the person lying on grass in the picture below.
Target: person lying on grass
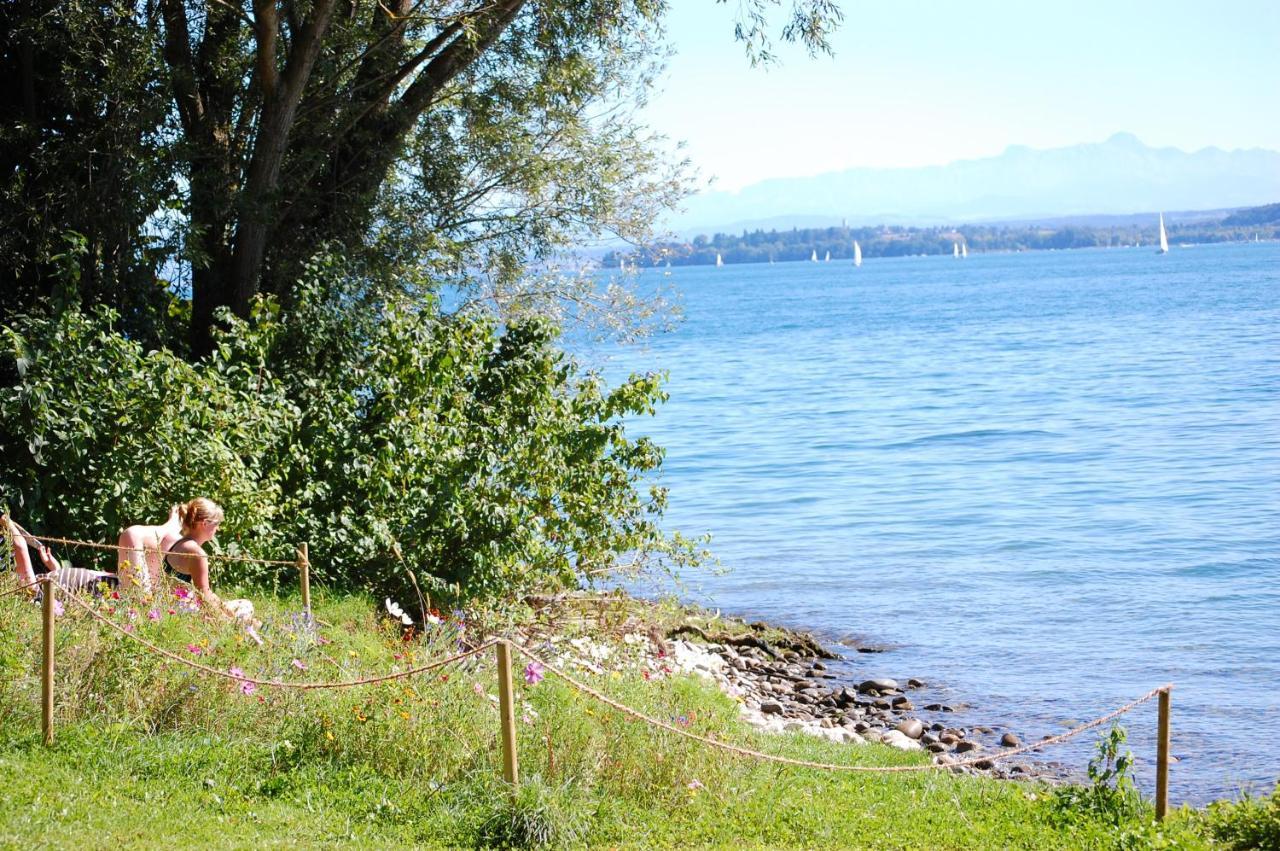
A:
(70, 578)
(186, 561)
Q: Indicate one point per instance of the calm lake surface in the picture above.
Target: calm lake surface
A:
(1045, 482)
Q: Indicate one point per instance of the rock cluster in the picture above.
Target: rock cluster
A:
(787, 692)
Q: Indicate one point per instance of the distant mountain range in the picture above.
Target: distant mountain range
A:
(1119, 177)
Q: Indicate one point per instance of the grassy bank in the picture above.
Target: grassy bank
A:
(151, 753)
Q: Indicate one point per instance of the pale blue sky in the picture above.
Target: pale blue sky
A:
(917, 83)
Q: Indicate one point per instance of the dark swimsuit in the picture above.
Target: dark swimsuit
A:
(170, 569)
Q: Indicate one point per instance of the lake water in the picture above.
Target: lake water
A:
(1046, 482)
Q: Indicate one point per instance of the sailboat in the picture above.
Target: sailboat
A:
(857, 253)
(1164, 239)
(814, 257)
(955, 250)
(828, 260)
(964, 250)
(719, 260)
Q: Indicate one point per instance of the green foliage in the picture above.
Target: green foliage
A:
(476, 457)
(538, 814)
(98, 433)
(1248, 823)
(1111, 794)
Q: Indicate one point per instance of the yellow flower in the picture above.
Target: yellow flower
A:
(404, 715)
(328, 735)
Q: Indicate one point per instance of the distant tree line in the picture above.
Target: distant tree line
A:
(895, 241)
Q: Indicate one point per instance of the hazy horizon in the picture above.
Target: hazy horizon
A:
(912, 85)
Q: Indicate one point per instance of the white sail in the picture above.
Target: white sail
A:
(814, 256)
(719, 260)
(828, 260)
(955, 250)
(1164, 239)
(857, 253)
(964, 249)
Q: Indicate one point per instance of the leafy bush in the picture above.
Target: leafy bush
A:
(1248, 823)
(1111, 795)
(395, 441)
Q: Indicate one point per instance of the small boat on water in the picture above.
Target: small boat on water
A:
(828, 260)
(857, 253)
(719, 259)
(955, 250)
(1164, 238)
(814, 256)
(964, 250)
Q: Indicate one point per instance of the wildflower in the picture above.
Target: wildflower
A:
(398, 613)
(404, 715)
(58, 608)
(694, 786)
(299, 664)
(247, 688)
(195, 649)
(478, 689)
(533, 673)
(132, 614)
(172, 612)
(433, 617)
(153, 615)
(328, 735)
(181, 593)
(236, 672)
(115, 595)
(129, 628)
(644, 672)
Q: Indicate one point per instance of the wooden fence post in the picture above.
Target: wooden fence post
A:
(1162, 756)
(304, 575)
(506, 707)
(46, 666)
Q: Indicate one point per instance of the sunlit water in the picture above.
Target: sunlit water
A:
(1047, 482)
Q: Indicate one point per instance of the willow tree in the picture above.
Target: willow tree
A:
(233, 138)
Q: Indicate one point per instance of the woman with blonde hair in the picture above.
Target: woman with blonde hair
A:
(183, 549)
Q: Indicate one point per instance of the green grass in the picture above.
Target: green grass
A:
(149, 754)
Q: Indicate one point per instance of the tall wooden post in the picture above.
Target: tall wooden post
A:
(1162, 756)
(304, 575)
(46, 667)
(507, 712)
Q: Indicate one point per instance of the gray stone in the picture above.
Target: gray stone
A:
(914, 683)
(771, 707)
(910, 727)
(966, 747)
(877, 685)
(896, 739)
(1010, 740)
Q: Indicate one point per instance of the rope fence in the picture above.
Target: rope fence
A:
(94, 545)
(504, 649)
(20, 588)
(827, 766)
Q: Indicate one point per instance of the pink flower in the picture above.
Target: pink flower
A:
(153, 615)
(478, 689)
(195, 649)
(58, 608)
(695, 784)
(181, 593)
(533, 673)
(299, 664)
(236, 672)
(247, 688)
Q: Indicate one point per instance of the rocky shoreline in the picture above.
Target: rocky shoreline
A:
(788, 681)
(789, 691)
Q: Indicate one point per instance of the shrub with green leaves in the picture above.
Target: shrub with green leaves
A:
(410, 449)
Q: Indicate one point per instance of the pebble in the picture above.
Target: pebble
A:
(910, 727)
(896, 739)
(1010, 740)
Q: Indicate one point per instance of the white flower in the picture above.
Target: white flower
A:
(395, 611)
